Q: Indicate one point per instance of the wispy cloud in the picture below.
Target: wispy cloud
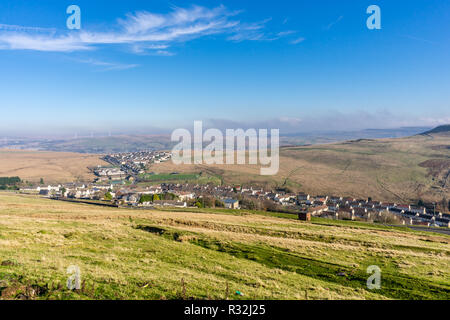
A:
(250, 32)
(22, 28)
(286, 33)
(164, 53)
(257, 32)
(298, 40)
(38, 42)
(332, 24)
(142, 31)
(145, 48)
(107, 66)
(418, 39)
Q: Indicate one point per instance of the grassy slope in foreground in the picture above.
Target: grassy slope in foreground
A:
(125, 254)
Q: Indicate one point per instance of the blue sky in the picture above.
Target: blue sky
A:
(149, 66)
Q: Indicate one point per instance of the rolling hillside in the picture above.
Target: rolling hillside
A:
(404, 169)
(209, 254)
(53, 167)
(400, 170)
(441, 130)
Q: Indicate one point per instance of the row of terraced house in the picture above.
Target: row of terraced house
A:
(333, 207)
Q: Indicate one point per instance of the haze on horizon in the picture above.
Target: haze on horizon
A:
(302, 66)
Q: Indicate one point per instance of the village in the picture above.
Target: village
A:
(116, 186)
(130, 163)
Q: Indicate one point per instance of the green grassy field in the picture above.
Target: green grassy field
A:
(126, 254)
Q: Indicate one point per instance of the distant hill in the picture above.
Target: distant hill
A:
(441, 129)
(131, 143)
(400, 170)
(100, 145)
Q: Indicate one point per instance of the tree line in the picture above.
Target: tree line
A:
(9, 183)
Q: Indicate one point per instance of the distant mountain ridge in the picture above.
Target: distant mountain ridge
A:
(441, 129)
(131, 143)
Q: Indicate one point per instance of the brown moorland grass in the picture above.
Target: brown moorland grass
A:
(53, 167)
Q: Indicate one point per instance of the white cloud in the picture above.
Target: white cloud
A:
(107, 66)
(435, 121)
(286, 33)
(23, 41)
(297, 41)
(144, 48)
(332, 24)
(164, 53)
(256, 32)
(22, 28)
(292, 121)
(141, 31)
(418, 39)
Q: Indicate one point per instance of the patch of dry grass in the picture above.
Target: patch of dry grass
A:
(53, 167)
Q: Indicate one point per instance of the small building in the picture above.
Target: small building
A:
(442, 222)
(304, 216)
(317, 210)
(184, 195)
(335, 199)
(303, 197)
(168, 203)
(231, 204)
